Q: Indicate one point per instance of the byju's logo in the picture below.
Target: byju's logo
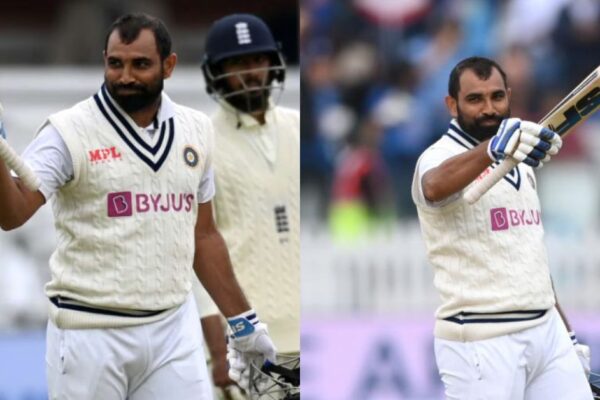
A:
(124, 204)
(503, 218)
(119, 204)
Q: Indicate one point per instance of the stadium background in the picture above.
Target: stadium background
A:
(374, 74)
(51, 58)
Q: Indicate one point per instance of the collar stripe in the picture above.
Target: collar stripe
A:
(162, 159)
(472, 141)
(154, 165)
(469, 142)
(127, 125)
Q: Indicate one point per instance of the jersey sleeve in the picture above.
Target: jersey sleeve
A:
(430, 159)
(206, 189)
(50, 160)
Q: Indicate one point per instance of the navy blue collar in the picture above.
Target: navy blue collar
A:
(153, 156)
(467, 141)
(461, 137)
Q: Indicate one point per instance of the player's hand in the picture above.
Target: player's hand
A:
(220, 372)
(506, 140)
(536, 144)
(524, 141)
(583, 353)
(249, 342)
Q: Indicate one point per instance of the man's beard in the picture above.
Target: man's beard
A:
(477, 129)
(250, 102)
(251, 99)
(143, 96)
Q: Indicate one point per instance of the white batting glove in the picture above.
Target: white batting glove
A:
(524, 141)
(583, 353)
(249, 341)
(536, 144)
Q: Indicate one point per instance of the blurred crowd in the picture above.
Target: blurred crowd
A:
(375, 73)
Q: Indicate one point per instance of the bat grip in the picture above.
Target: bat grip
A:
(480, 187)
(16, 163)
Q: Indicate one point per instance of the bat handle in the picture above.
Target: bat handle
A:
(16, 163)
(480, 187)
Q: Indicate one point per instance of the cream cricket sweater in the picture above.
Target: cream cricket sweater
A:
(490, 262)
(126, 221)
(257, 176)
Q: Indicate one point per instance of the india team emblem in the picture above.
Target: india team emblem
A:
(190, 156)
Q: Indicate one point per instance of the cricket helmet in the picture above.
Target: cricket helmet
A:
(240, 35)
(280, 381)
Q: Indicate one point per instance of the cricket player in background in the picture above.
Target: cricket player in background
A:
(499, 333)
(130, 176)
(257, 176)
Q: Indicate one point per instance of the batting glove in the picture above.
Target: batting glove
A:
(249, 342)
(524, 141)
(536, 144)
(506, 140)
(583, 353)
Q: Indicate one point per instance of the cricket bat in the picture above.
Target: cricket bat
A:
(16, 163)
(575, 108)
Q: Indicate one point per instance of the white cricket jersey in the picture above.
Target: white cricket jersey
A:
(489, 259)
(257, 177)
(125, 220)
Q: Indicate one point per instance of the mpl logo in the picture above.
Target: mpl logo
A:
(503, 218)
(124, 204)
(104, 155)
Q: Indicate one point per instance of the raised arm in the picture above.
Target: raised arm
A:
(523, 141)
(454, 174)
(17, 203)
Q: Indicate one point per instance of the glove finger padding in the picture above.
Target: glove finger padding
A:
(536, 145)
(249, 342)
(534, 141)
(257, 342)
(542, 133)
(237, 364)
(583, 353)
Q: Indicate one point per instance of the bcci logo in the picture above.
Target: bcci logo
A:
(190, 156)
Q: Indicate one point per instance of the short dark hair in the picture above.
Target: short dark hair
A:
(129, 27)
(480, 65)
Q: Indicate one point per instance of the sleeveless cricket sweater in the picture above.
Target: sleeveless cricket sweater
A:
(125, 223)
(257, 178)
(489, 259)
